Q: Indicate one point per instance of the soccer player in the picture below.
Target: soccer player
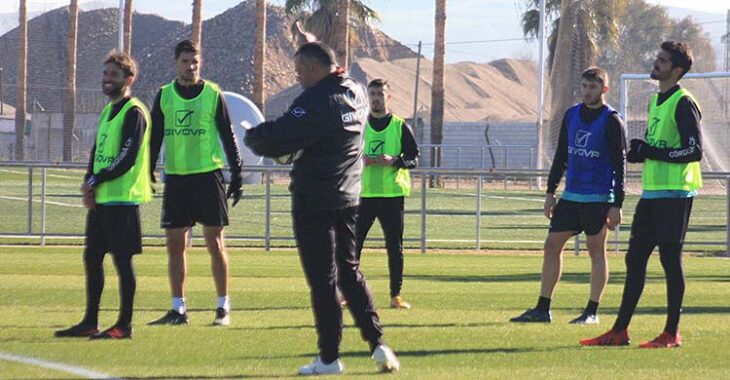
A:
(116, 182)
(671, 178)
(389, 151)
(190, 116)
(591, 153)
(325, 124)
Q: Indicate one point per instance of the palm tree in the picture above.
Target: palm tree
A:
(128, 27)
(342, 29)
(69, 98)
(437, 85)
(578, 34)
(22, 82)
(320, 17)
(259, 56)
(197, 22)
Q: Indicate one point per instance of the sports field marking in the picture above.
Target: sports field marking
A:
(79, 371)
(39, 201)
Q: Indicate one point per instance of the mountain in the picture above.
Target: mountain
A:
(227, 47)
(502, 90)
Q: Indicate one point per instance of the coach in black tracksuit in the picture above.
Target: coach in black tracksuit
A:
(325, 123)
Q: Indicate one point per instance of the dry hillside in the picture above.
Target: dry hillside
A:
(503, 90)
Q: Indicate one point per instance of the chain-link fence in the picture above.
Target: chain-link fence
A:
(709, 90)
(490, 106)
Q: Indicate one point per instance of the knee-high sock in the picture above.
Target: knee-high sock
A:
(671, 258)
(127, 288)
(94, 268)
(637, 258)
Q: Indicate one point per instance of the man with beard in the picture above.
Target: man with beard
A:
(117, 181)
(671, 178)
(389, 151)
(190, 116)
(592, 153)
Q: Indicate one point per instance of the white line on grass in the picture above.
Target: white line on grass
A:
(79, 371)
(39, 201)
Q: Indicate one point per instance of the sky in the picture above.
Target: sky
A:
(472, 25)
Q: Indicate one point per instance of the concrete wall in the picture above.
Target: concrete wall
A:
(474, 153)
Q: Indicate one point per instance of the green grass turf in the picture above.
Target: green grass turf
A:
(457, 328)
(510, 219)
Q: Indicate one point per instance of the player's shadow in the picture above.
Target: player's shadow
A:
(572, 277)
(387, 326)
(235, 309)
(707, 228)
(530, 227)
(287, 376)
(462, 351)
(707, 278)
(440, 325)
(453, 212)
(662, 310)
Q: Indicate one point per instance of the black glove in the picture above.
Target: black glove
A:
(637, 151)
(235, 188)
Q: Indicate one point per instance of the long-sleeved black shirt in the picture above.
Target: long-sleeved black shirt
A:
(222, 122)
(615, 139)
(688, 118)
(133, 129)
(409, 149)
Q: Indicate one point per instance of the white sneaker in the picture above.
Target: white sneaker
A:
(317, 367)
(222, 317)
(385, 359)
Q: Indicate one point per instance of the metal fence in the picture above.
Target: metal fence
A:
(480, 180)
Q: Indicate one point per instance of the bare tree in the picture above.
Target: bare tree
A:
(69, 97)
(259, 56)
(437, 85)
(128, 26)
(22, 82)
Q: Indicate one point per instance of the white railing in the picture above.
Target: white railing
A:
(424, 174)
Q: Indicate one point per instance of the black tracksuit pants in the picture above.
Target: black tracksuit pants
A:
(389, 211)
(326, 244)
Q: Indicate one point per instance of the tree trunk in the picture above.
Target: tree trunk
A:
(69, 97)
(437, 85)
(259, 56)
(561, 75)
(342, 33)
(572, 55)
(22, 82)
(128, 26)
(197, 23)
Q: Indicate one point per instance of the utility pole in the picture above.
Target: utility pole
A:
(727, 66)
(2, 100)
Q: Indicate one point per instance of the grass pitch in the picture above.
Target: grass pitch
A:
(457, 328)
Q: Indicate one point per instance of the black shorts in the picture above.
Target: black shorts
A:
(194, 198)
(115, 229)
(579, 216)
(664, 220)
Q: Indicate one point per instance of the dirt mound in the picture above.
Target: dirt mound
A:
(503, 90)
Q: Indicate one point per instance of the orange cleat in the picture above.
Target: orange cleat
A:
(610, 338)
(664, 340)
(115, 332)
